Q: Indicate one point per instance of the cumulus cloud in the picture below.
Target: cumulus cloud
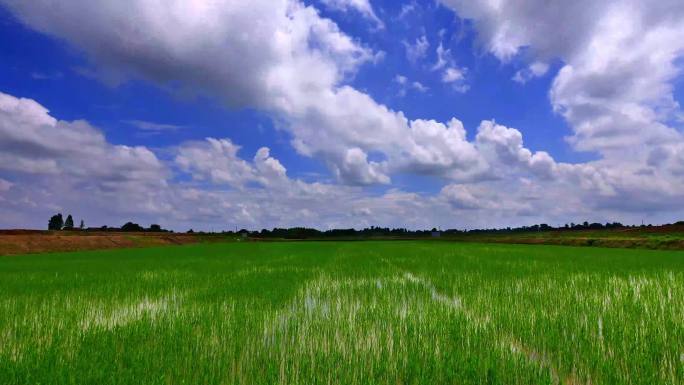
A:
(467, 197)
(32, 141)
(620, 60)
(443, 149)
(615, 88)
(224, 47)
(55, 164)
(280, 56)
(356, 167)
(100, 181)
(215, 160)
(293, 64)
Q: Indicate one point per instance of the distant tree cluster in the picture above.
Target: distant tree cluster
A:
(57, 222)
(546, 227)
(134, 227)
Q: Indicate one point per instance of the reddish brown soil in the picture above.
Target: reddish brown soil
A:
(30, 241)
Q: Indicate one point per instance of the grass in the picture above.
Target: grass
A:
(343, 313)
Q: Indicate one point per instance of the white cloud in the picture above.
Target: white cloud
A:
(472, 197)
(417, 50)
(282, 57)
(293, 65)
(32, 141)
(153, 127)
(215, 160)
(56, 164)
(615, 88)
(108, 186)
(534, 70)
(46, 76)
(356, 168)
(279, 56)
(456, 77)
(362, 6)
(441, 149)
(268, 168)
(223, 47)
(418, 86)
(443, 58)
(452, 75)
(407, 9)
(404, 85)
(5, 185)
(504, 146)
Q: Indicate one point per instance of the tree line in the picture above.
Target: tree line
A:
(58, 223)
(373, 231)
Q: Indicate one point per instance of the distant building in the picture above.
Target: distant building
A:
(436, 234)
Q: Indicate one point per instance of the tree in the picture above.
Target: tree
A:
(155, 228)
(69, 223)
(56, 222)
(82, 226)
(130, 226)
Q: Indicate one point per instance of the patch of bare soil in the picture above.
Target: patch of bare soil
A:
(28, 242)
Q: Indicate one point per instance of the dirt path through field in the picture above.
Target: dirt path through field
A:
(507, 341)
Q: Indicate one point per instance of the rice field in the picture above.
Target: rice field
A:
(343, 313)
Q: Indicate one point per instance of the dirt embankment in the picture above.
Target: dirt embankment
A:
(30, 241)
(624, 243)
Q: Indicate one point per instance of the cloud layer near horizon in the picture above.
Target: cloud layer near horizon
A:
(283, 58)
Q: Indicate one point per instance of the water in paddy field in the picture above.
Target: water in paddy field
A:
(335, 312)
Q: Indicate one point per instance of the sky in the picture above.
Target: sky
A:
(217, 114)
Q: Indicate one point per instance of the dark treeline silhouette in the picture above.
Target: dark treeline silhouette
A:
(57, 222)
(132, 227)
(303, 232)
(545, 227)
(385, 232)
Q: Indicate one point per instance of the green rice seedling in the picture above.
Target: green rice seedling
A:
(343, 312)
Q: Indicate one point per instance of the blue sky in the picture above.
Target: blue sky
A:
(554, 135)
